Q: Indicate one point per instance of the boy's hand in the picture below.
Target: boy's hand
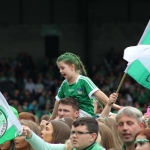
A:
(112, 99)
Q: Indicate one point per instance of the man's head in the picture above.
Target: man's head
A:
(84, 132)
(129, 122)
(68, 107)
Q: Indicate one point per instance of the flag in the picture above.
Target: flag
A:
(10, 126)
(138, 68)
(145, 39)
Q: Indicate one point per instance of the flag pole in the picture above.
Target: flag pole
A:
(117, 91)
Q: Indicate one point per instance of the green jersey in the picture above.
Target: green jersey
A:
(94, 146)
(82, 90)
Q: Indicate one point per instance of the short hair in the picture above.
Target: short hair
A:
(130, 111)
(70, 101)
(89, 122)
(145, 132)
(27, 116)
(61, 132)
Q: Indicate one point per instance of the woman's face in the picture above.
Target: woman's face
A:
(142, 144)
(21, 143)
(46, 134)
(5, 145)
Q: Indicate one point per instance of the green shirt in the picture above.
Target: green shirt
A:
(94, 146)
(82, 90)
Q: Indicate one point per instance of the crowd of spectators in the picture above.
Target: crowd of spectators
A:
(32, 88)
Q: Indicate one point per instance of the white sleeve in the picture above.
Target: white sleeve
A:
(39, 144)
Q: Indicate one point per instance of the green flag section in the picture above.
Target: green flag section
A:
(10, 126)
(138, 68)
(145, 39)
(139, 72)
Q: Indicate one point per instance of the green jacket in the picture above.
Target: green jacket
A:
(94, 146)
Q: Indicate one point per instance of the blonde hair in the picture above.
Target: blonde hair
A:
(111, 123)
(148, 123)
(33, 126)
(107, 139)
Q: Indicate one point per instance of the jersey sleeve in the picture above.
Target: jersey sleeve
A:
(90, 87)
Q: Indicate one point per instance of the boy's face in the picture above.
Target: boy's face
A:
(81, 141)
(67, 111)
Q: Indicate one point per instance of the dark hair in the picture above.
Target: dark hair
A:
(89, 122)
(70, 58)
(70, 101)
(61, 132)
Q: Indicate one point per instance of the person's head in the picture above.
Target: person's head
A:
(27, 116)
(45, 117)
(20, 142)
(56, 132)
(142, 140)
(68, 107)
(68, 63)
(107, 139)
(9, 145)
(84, 132)
(68, 121)
(129, 122)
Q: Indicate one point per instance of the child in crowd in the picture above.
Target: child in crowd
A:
(77, 85)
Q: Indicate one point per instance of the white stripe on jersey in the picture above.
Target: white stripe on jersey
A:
(89, 81)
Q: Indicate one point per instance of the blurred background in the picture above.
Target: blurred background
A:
(33, 33)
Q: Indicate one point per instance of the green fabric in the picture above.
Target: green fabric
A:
(14, 111)
(94, 146)
(146, 39)
(141, 75)
(82, 90)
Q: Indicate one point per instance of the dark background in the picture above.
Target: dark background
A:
(89, 28)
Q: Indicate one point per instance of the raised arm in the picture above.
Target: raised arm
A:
(37, 143)
(55, 110)
(112, 99)
(102, 97)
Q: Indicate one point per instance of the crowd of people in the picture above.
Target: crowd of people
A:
(129, 129)
(61, 106)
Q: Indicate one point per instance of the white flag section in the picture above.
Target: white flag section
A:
(10, 126)
(138, 68)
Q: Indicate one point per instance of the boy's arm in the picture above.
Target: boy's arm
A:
(107, 109)
(102, 97)
(55, 110)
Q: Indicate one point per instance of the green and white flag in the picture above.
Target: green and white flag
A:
(10, 126)
(145, 39)
(138, 58)
(138, 68)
